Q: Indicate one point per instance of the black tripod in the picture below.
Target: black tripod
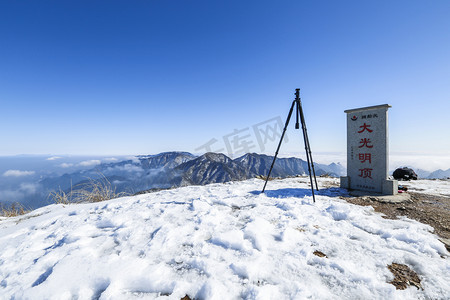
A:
(299, 112)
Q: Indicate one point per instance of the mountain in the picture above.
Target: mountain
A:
(174, 169)
(259, 164)
(211, 168)
(335, 169)
(133, 175)
(165, 160)
(422, 173)
(439, 174)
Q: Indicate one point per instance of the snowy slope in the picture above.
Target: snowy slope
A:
(221, 241)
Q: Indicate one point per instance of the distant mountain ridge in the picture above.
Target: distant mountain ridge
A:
(211, 168)
(439, 174)
(174, 169)
(153, 172)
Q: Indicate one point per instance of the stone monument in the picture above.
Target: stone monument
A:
(368, 151)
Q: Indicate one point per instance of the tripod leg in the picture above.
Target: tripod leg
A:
(279, 144)
(312, 163)
(302, 118)
(305, 139)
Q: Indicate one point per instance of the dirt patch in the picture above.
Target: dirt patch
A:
(404, 276)
(319, 254)
(429, 209)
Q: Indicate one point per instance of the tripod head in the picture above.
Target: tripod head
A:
(297, 100)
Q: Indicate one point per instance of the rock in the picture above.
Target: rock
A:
(404, 174)
(403, 276)
(319, 254)
(446, 242)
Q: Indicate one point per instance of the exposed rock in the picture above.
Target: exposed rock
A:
(403, 276)
(446, 242)
(320, 254)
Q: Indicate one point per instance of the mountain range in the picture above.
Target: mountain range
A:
(437, 174)
(142, 173)
(174, 169)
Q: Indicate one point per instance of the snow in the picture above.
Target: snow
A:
(439, 187)
(220, 241)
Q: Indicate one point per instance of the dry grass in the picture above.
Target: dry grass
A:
(262, 177)
(93, 191)
(14, 210)
(60, 197)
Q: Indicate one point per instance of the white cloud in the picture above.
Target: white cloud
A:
(134, 159)
(318, 157)
(130, 168)
(89, 163)
(125, 168)
(9, 196)
(422, 161)
(66, 165)
(21, 194)
(54, 158)
(17, 173)
(110, 159)
(29, 188)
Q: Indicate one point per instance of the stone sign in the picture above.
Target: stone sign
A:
(368, 151)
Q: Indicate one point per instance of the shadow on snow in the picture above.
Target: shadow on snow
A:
(302, 192)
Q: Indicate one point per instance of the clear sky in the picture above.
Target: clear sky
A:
(142, 77)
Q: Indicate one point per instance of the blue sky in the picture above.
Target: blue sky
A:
(142, 77)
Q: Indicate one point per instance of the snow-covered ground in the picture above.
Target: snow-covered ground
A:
(440, 187)
(221, 241)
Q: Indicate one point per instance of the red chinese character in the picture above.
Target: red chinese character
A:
(365, 142)
(365, 173)
(363, 157)
(365, 127)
